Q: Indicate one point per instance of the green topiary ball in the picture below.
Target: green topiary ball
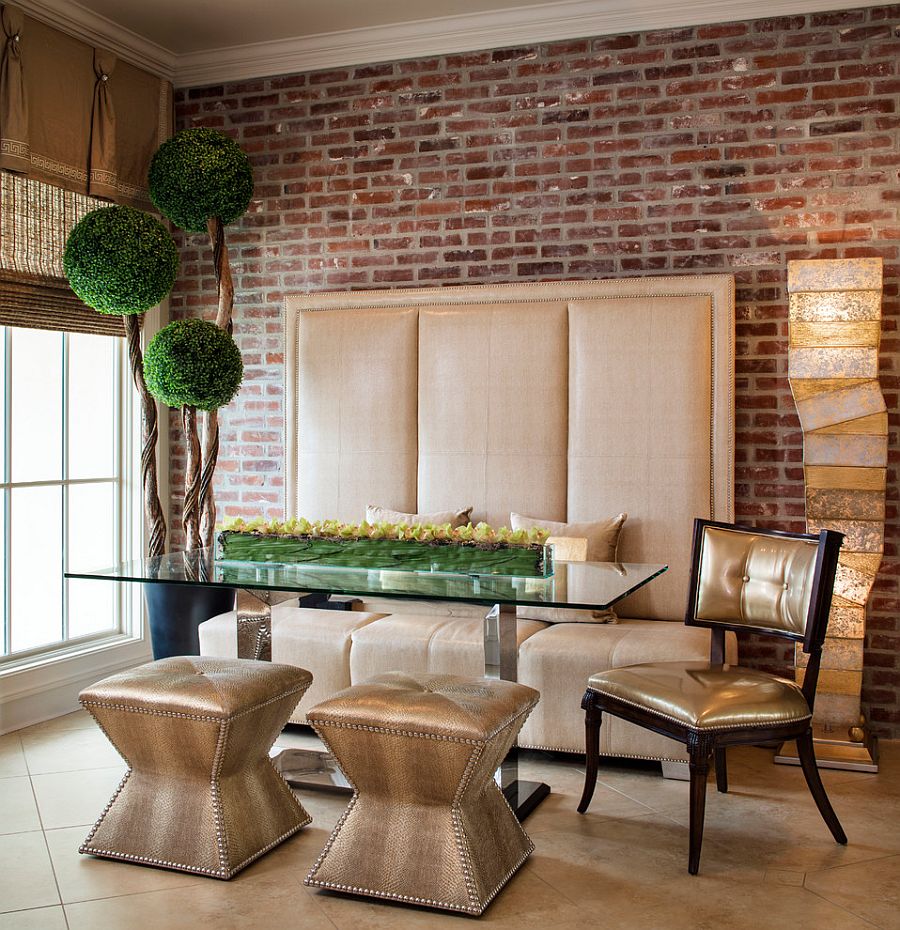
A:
(198, 174)
(120, 260)
(193, 362)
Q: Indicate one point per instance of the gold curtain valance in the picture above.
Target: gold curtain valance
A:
(74, 116)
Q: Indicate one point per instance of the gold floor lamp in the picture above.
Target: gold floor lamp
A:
(835, 331)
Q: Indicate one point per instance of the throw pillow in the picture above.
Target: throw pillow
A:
(602, 544)
(376, 514)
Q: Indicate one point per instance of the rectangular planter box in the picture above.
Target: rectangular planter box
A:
(532, 561)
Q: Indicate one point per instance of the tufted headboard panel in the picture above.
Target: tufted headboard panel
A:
(563, 400)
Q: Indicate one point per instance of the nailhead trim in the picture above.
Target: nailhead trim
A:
(211, 718)
(215, 795)
(416, 734)
(476, 907)
(85, 849)
(218, 814)
(716, 729)
(616, 755)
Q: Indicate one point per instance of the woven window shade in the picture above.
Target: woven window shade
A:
(35, 220)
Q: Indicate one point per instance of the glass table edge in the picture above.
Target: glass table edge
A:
(489, 598)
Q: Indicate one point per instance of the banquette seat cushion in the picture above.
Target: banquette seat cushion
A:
(346, 648)
(317, 640)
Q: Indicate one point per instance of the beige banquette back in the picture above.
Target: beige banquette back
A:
(563, 400)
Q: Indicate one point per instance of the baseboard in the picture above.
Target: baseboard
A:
(33, 695)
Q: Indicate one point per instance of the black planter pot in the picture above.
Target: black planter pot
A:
(177, 610)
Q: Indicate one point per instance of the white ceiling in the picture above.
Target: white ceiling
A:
(197, 42)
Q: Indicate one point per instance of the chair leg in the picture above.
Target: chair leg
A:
(807, 755)
(592, 720)
(699, 766)
(721, 771)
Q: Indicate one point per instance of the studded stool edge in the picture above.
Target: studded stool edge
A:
(221, 873)
(478, 745)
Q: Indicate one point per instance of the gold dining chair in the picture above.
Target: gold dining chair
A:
(745, 580)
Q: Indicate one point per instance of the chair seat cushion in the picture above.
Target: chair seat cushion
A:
(704, 696)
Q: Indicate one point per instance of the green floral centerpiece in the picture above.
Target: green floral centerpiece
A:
(469, 549)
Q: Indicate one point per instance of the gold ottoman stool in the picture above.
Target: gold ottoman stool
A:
(200, 794)
(427, 824)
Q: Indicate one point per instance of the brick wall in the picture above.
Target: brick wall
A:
(731, 147)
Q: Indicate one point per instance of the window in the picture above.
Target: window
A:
(66, 443)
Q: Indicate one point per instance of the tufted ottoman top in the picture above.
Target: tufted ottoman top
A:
(197, 685)
(440, 705)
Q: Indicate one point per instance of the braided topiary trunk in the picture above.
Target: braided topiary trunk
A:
(153, 512)
(225, 285)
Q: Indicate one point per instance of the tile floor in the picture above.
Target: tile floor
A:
(768, 860)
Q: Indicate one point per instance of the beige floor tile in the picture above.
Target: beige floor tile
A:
(83, 878)
(742, 907)
(756, 819)
(12, 758)
(558, 813)
(294, 857)
(626, 859)
(78, 720)
(72, 799)
(234, 905)
(527, 902)
(646, 786)
(870, 889)
(762, 761)
(26, 876)
(41, 918)
(72, 750)
(636, 874)
(18, 811)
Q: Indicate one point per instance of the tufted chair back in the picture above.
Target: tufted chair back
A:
(762, 581)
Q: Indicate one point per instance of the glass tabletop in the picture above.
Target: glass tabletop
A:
(586, 585)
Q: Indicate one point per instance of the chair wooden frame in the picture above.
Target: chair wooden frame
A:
(703, 744)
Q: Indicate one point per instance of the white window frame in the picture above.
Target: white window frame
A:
(124, 515)
(44, 686)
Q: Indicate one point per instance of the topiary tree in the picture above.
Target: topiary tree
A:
(193, 363)
(123, 261)
(201, 179)
(120, 260)
(198, 175)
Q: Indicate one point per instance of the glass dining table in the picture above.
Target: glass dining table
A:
(262, 585)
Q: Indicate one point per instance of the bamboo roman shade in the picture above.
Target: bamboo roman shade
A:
(35, 220)
(78, 128)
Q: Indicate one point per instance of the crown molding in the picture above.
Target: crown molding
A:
(90, 27)
(545, 22)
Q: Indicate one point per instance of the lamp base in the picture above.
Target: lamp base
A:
(833, 753)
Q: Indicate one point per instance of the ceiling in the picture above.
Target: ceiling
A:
(198, 42)
(197, 25)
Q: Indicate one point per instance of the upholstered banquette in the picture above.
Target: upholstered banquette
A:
(565, 401)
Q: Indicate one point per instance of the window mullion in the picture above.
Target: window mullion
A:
(65, 488)
(7, 493)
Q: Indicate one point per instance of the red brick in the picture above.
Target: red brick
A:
(729, 147)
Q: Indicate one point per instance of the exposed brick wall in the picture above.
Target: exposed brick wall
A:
(731, 147)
